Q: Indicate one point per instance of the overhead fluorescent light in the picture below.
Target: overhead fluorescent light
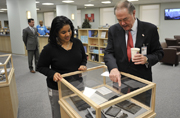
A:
(88, 5)
(68, 1)
(133, 0)
(3, 9)
(37, 2)
(37, 9)
(106, 2)
(47, 3)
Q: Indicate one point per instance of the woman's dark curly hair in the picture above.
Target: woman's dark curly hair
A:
(57, 24)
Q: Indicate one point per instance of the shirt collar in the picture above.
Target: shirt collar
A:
(134, 28)
(30, 27)
(41, 26)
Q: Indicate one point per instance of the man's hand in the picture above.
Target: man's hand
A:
(139, 59)
(115, 76)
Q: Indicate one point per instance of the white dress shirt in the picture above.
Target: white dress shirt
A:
(133, 33)
(32, 29)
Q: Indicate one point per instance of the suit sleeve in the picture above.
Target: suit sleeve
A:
(44, 62)
(109, 58)
(25, 36)
(156, 51)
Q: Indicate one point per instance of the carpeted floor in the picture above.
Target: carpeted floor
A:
(34, 101)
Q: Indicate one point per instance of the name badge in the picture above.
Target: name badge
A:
(144, 50)
(50, 92)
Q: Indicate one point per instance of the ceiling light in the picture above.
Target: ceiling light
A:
(90, 0)
(37, 9)
(68, 1)
(47, 3)
(37, 2)
(106, 2)
(3, 9)
(133, 0)
(87, 5)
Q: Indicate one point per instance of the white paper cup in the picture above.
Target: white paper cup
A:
(134, 51)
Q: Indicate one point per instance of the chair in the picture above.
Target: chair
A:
(171, 54)
(178, 38)
(171, 42)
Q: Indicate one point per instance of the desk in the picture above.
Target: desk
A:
(5, 43)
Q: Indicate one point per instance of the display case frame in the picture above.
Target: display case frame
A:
(68, 112)
(4, 67)
(8, 91)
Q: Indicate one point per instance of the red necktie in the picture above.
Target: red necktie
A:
(129, 45)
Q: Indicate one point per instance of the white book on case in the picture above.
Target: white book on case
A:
(103, 34)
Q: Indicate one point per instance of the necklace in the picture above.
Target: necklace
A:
(67, 47)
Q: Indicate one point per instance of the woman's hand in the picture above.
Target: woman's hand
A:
(82, 68)
(57, 77)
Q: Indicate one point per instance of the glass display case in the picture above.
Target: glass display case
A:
(5, 68)
(8, 90)
(91, 94)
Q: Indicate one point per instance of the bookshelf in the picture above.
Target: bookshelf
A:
(94, 41)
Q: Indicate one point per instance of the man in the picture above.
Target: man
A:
(128, 33)
(31, 42)
(42, 30)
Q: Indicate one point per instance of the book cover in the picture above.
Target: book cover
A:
(103, 34)
(85, 49)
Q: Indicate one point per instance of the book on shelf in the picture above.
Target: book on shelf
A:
(101, 50)
(91, 48)
(103, 34)
(105, 43)
(93, 33)
(85, 49)
(94, 57)
(84, 39)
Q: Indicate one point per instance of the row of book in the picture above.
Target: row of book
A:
(93, 33)
(84, 39)
(94, 57)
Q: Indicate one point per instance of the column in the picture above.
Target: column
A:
(18, 21)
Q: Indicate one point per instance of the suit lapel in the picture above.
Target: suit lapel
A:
(140, 35)
(30, 30)
(122, 40)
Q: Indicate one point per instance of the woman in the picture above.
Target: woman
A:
(63, 54)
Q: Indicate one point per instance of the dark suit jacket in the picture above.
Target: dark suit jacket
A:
(30, 39)
(116, 51)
